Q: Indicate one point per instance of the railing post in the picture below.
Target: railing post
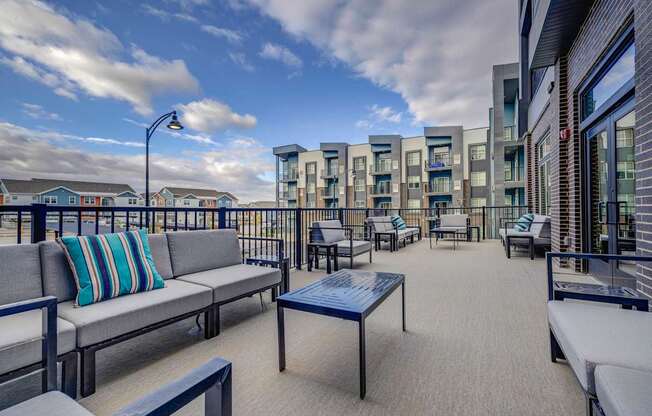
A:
(39, 224)
(484, 216)
(221, 217)
(340, 215)
(298, 238)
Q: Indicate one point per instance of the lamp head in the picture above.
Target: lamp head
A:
(174, 124)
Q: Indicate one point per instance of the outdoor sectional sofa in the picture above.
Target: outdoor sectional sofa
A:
(202, 270)
(538, 235)
(390, 233)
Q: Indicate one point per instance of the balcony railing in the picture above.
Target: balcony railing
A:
(291, 175)
(329, 173)
(438, 161)
(438, 187)
(329, 193)
(381, 168)
(383, 188)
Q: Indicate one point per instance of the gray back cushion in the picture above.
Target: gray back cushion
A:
(158, 244)
(381, 224)
(327, 231)
(453, 220)
(20, 273)
(540, 226)
(57, 276)
(196, 251)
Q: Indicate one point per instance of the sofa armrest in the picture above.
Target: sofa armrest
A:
(212, 378)
(49, 331)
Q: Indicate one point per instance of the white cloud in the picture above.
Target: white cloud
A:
(36, 111)
(209, 115)
(31, 153)
(165, 15)
(72, 55)
(363, 124)
(436, 54)
(385, 114)
(220, 32)
(281, 54)
(189, 4)
(100, 140)
(240, 59)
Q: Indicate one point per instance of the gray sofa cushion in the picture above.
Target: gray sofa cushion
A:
(21, 336)
(407, 232)
(538, 241)
(233, 281)
(196, 251)
(623, 391)
(381, 224)
(57, 277)
(158, 244)
(53, 403)
(20, 273)
(453, 220)
(591, 335)
(359, 247)
(328, 233)
(105, 320)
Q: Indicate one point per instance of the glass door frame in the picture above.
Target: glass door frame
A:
(606, 123)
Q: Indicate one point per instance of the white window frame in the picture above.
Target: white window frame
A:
(311, 168)
(359, 163)
(50, 199)
(475, 153)
(414, 203)
(72, 200)
(413, 158)
(412, 184)
(478, 202)
(475, 178)
(359, 185)
(360, 203)
(132, 201)
(89, 200)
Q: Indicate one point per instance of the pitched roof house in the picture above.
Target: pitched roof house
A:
(195, 197)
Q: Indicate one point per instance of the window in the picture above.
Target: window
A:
(625, 137)
(414, 182)
(625, 170)
(544, 147)
(311, 168)
(72, 200)
(543, 150)
(610, 81)
(413, 159)
(441, 185)
(359, 184)
(414, 203)
(89, 200)
(186, 202)
(359, 164)
(50, 199)
(478, 178)
(310, 188)
(478, 152)
(360, 204)
(478, 202)
(310, 204)
(132, 201)
(14, 197)
(385, 205)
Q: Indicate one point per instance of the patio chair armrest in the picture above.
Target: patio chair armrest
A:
(212, 378)
(49, 320)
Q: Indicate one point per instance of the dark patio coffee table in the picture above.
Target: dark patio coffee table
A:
(347, 294)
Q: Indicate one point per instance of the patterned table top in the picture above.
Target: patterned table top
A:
(347, 294)
(593, 289)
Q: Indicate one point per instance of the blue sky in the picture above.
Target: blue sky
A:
(82, 78)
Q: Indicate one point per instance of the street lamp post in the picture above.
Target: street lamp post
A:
(172, 125)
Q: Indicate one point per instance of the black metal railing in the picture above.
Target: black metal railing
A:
(39, 222)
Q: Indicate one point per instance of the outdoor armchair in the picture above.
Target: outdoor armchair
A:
(538, 235)
(388, 231)
(451, 223)
(332, 231)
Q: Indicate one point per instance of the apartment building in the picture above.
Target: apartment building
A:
(477, 167)
(67, 193)
(389, 171)
(507, 158)
(584, 105)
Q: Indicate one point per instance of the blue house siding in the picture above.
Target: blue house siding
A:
(64, 197)
(224, 201)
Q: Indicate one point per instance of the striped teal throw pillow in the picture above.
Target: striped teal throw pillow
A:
(523, 224)
(111, 265)
(398, 222)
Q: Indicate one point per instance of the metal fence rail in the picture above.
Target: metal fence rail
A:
(39, 222)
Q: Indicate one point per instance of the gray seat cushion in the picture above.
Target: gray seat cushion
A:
(196, 251)
(359, 247)
(53, 403)
(453, 220)
(108, 319)
(623, 391)
(330, 231)
(538, 241)
(21, 336)
(57, 276)
(450, 228)
(407, 232)
(592, 335)
(158, 244)
(20, 273)
(233, 281)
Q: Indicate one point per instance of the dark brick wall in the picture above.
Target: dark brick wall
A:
(643, 28)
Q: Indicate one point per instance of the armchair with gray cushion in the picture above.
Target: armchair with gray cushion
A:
(537, 236)
(389, 232)
(212, 379)
(458, 223)
(332, 231)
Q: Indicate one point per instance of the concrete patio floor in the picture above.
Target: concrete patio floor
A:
(477, 344)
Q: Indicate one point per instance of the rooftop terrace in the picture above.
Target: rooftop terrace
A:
(477, 344)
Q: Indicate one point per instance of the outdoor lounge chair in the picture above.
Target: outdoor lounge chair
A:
(388, 232)
(608, 349)
(213, 379)
(538, 235)
(451, 223)
(332, 231)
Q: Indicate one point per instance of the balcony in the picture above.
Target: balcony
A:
(329, 173)
(514, 178)
(289, 176)
(289, 196)
(381, 168)
(382, 189)
(329, 193)
(437, 188)
(439, 161)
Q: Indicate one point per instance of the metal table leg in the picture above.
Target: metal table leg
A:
(328, 260)
(363, 360)
(403, 303)
(281, 337)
